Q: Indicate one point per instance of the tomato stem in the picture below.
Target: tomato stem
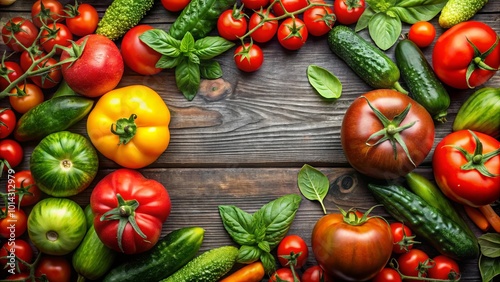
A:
(478, 60)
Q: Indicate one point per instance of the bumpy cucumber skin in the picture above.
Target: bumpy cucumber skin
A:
(210, 266)
(366, 60)
(171, 253)
(480, 112)
(445, 235)
(457, 11)
(424, 86)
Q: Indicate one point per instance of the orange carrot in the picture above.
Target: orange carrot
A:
(491, 216)
(253, 272)
(477, 217)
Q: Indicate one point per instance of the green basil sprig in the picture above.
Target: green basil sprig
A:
(192, 59)
(259, 233)
(383, 18)
(489, 260)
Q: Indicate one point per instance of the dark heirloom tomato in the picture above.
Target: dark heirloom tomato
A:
(388, 144)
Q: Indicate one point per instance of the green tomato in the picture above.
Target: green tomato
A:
(56, 226)
(64, 164)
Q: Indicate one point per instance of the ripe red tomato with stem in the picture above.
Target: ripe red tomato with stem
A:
(314, 274)
(54, 268)
(57, 34)
(415, 263)
(47, 11)
(422, 33)
(348, 11)
(387, 275)
(23, 184)
(292, 33)
(8, 122)
(50, 78)
(27, 57)
(28, 96)
(262, 25)
(248, 57)
(284, 274)
(82, 19)
(319, 20)
(136, 54)
(290, 6)
(255, 4)
(21, 249)
(9, 72)
(232, 24)
(11, 154)
(444, 268)
(466, 166)
(293, 251)
(14, 224)
(174, 5)
(19, 33)
(402, 237)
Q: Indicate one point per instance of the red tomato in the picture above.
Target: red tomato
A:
(422, 33)
(342, 240)
(48, 11)
(8, 122)
(11, 153)
(27, 57)
(10, 70)
(347, 11)
(466, 168)
(455, 57)
(54, 268)
(232, 24)
(98, 70)
(289, 6)
(136, 54)
(28, 96)
(14, 224)
(444, 268)
(283, 275)
(47, 79)
(292, 33)
(174, 5)
(145, 201)
(21, 29)
(414, 263)
(402, 237)
(18, 277)
(248, 57)
(380, 160)
(314, 274)
(23, 184)
(19, 249)
(319, 20)
(58, 34)
(82, 19)
(387, 275)
(265, 30)
(255, 4)
(293, 250)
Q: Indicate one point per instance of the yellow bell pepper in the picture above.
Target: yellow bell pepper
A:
(129, 125)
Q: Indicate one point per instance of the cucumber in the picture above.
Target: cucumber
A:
(457, 11)
(365, 59)
(92, 259)
(210, 266)
(480, 112)
(171, 253)
(53, 115)
(424, 86)
(444, 234)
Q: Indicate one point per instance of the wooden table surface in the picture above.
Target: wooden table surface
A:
(244, 138)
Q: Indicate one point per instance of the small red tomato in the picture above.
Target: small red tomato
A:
(402, 237)
(48, 79)
(21, 29)
(54, 268)
(58, 34)
(414, 263)
(14, 224)
(232, 24)
(319, 20)
(283, 275)
(265, 30)
(444, 268)
(255, 4)
(48, 11)
(289, 6)
(348, 11)
(248, 57)
(28, 96)
(422, 33)
(293, 251)
(136, 54)
(387, 275)
(11, 153)
(174, 5)
(82, 19)
(314, 274)
(292, 33)
(24, 185)
(12, 70)
(8, 122)
(19, 248)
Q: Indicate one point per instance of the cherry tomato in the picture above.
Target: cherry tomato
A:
(174, 5)
(402, 237)
(444, 268)
(347, 11)
(28, 96)
(18, 277)
(248, 57)
(255, 4)
(422, 33)
(21, 249)
(319, 20)
(414, 263)
(266, 30)
(82, 19)
(14, 224)
(54, 268)
(136, 54)
(289, 5)
(232, 24)
(48, 79)
(24, 185)
(292, 33)
(58, 34)
(8, 122)
(26, 59)
(21, 29)
(387, 275)
(48, 11)
(314, 274)
(11, 153)
(283, 275)
(13, 71)
(293, 250)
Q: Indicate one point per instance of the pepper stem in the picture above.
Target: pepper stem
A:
(125, 128)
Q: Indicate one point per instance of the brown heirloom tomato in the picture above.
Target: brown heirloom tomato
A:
(386, 134)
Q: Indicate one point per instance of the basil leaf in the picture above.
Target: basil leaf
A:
(248, 254)
(313, 184)
(210, 69)
(238, 224)
(412, 11)
(364, 19)
(166, 62)
(211, 46)
(324, 82)
(187, 43)
(193, 58)
(277, 217)
(490, 244)
(187, 78)
(488, 267)
(162, 42)
(268, 262)
(384, 30)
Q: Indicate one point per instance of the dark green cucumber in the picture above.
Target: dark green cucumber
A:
(365, 59)
(53, 115)
(199, 17)
(422, 83)
(171, 253)
(480, 112)
(444, 234)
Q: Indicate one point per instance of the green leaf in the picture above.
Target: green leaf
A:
(313, 184)
(269, 262)
(384, 30)
(381, 5)
(489, 268)
(364, 19)
(210, 69)
(208, 47)
(193, 58)
(412, 11)
(490, 244)
(162, 42)
(324, 82)
(166, 62)
(248, 254)
(187, 78)
(238, 224)
(187, 43)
